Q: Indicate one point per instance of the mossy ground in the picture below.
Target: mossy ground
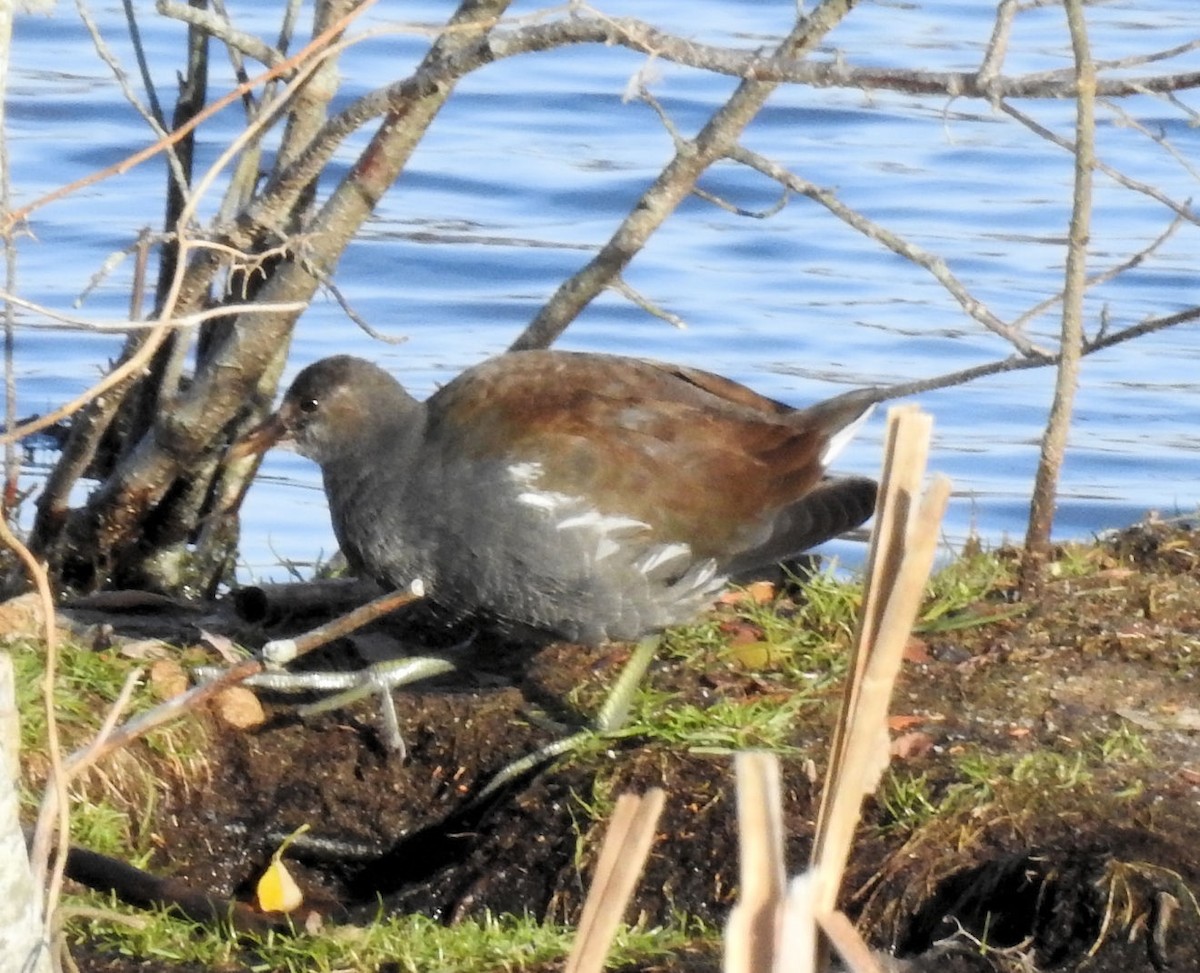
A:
(1040, 811)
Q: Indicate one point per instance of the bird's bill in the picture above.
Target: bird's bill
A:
(261, 438)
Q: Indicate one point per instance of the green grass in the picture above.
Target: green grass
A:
(755, 676)
(411, 944)
(112, 808)
(85, 680)
(1124, 745)
(979, 779)
(1030, 778)
(792, 661)
(724, 726)
(907, 800)
(954, 592)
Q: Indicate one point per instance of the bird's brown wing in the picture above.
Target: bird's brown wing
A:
(701, 459)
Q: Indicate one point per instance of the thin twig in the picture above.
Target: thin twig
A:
(1160, 139)
(54, 803)
(139, 52)
(622, 287)
(78, 323)
(158, 330)
(282, 651)
(316, 47)
(153, 115)
(934, 264)
(1183, 209)
(760, 214)
(220, 28)
(1106, 275)
(80, 760)
(174, 708)
(1015, 363)
(348, 309)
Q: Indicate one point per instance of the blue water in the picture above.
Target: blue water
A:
(536, 159)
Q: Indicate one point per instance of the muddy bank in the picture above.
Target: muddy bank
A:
(1040, 811)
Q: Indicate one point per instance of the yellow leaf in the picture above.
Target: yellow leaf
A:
(277, 891)
(754, 655)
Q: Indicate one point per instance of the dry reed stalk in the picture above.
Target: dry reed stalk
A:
(626, 845)
(902, 549)
(753, 928)
(793, 931)
(903, 546)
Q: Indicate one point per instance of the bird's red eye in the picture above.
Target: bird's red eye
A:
(308, 405)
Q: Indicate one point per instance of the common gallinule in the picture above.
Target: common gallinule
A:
(583, 496)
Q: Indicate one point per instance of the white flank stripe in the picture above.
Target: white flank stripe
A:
(706, 574)
(543, 501)
(526, 474)
(664, 555)
(837, 442)
(603, 523)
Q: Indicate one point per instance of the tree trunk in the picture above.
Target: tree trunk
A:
(164, 517)
(1054, 441)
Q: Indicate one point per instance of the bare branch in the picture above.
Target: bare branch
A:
(1054, 439)
(675, 182)
(1158, 138)
(910, 251)
(1015, 363)
(1183, 209)
(628, 292)
(781, 67)
(220, 28)
(1116, 270)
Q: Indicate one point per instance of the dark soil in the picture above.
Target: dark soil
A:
(1073, 845)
